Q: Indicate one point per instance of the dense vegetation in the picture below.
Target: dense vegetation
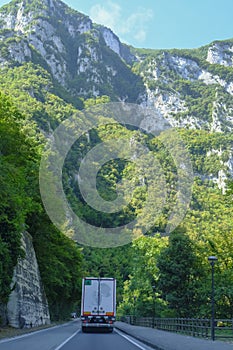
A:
(179, 268)
(17, 165)
(172, 276)
(159, 275)
(142, 268)
(21, 209)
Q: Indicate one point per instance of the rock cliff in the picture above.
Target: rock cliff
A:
(27, 306)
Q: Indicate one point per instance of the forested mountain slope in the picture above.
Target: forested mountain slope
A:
(54, 62)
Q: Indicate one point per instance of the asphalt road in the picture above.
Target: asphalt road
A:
(70, 337)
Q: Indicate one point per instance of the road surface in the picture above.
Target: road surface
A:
(70, 337)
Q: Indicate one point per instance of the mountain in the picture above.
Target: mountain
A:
(50, 52)
(86, 59)
(55, 61)
(192, 88)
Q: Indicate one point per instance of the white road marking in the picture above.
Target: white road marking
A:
(132, 341)
(67, 340)
(28, 334)
(7, 340)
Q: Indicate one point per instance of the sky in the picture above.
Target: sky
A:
(161, 24)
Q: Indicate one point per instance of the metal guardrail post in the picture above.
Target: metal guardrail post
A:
(212, 260)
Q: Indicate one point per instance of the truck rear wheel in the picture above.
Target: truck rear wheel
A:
(84, 329)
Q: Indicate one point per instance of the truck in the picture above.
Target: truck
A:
(98, 305)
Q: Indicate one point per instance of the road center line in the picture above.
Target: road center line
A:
(67, 340)
(130, 340)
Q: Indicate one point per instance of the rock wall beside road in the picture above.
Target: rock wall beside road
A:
(27, 306)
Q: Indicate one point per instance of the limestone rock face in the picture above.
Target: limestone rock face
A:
(221, 53)
(67, 41)
(27, 306)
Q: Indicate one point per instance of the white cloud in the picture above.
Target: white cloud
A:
(133, 26)
(140, 35)
(106, 15)
(136, 24)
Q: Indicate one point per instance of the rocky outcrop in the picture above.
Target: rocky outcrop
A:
(221, 53)
(189, 88)
(67, 41)
(113, 42)
(175, 85)
(27, 306)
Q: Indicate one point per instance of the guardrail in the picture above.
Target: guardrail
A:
(190, 326)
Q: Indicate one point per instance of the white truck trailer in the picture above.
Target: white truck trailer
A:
(98, 308)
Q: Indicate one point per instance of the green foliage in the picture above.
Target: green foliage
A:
(154, 276)
(135, 279)
(109, 262)
(209, 223)
(20, 208)
(140, 295)
(94, 101)
(17, 163)
(35, 96)
(179, 276)
(208, 151)
(195, 54)
(230, 188)
(183, 278)
(30, 5)
(60, 263)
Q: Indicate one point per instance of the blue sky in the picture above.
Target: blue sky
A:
(161, 24)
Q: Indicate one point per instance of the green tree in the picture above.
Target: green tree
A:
(140, 295)
(60, 262)
(59, 258)
(179, 275)
(17, 161)
(209, 223)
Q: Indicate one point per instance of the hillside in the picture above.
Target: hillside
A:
(191, 88)
(54, 63)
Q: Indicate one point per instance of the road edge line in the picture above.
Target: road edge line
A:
(9, 339)
(67, 340)
(131, 340)
(140, 339)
